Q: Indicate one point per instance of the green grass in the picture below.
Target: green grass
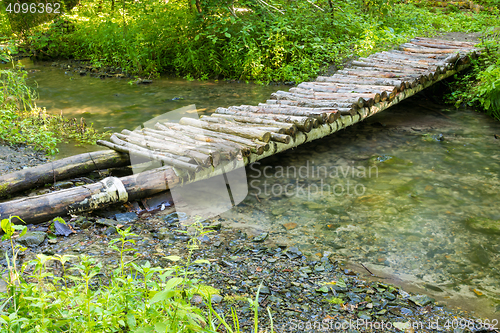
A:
(76, 294)
(21, 121)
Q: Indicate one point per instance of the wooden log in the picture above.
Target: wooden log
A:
(238, 131)
(391, 65)
(444, 42)
(61, 169)
(261, 127)
(305, 124)
(336, 95)
(363, 81)
(283, 138)
(404, 58)
(440, 66)
(109, 191)
(290, 128)
(435, 45)
(416, 49)
(151, 155)
(215, 154)
(312, 103)
(417, 73)
(334, 87)
(114, 139)
(415, 55)
(256, 146)
(227, 151)
(405, 62)
(317, 118)
(279, 95)
(245, 150)
(200, 158)
(329, 114)
(381, 74)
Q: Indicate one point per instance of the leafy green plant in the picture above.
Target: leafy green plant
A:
(481, 87)
(280, 41)
(77, 294)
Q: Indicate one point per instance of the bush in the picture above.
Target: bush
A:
(285, 41)
(484, 92)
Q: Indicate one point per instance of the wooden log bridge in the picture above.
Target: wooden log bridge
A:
(196, 149)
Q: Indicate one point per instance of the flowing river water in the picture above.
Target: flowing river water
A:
(412, 193)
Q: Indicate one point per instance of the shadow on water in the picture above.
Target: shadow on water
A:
(411, 193)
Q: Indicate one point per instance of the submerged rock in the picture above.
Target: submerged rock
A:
(483, 224)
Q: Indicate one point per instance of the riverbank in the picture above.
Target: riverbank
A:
(301, 287)
(286, 42)
(301, 293)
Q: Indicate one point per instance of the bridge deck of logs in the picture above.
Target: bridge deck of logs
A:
(195, 149)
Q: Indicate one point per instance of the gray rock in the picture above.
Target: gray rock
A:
(264, 290)
(260, 238)
(126, 217)
(107, 222)
(32, 238)
(422, 300)
(216, 298)
(110, 231)
(63, 185)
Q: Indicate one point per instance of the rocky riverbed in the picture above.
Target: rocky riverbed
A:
(304, 293)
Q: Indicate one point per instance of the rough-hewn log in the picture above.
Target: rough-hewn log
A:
(61, 169)
(231, 146)
(305, 124)
(226, 151)
(311, 103)
(336, 95)
(167, 142)
(114, 139)
(261, 127)
(363, 81)
(415, 55)
(340, 87)
(433, 45)
(367, 63)
(151, 155)
(444, 42)
(89, 197)
(238, 131)
(417, 49)
(317, 117)
(279, 95)
(200, 158)
(289, 128)
(256, 147)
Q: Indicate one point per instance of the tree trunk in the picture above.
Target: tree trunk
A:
(109, 191)
(305, 124)
(61, 169)
(238, 131)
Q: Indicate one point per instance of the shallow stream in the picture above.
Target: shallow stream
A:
(411, 193)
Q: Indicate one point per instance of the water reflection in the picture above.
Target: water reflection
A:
(114, 104)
